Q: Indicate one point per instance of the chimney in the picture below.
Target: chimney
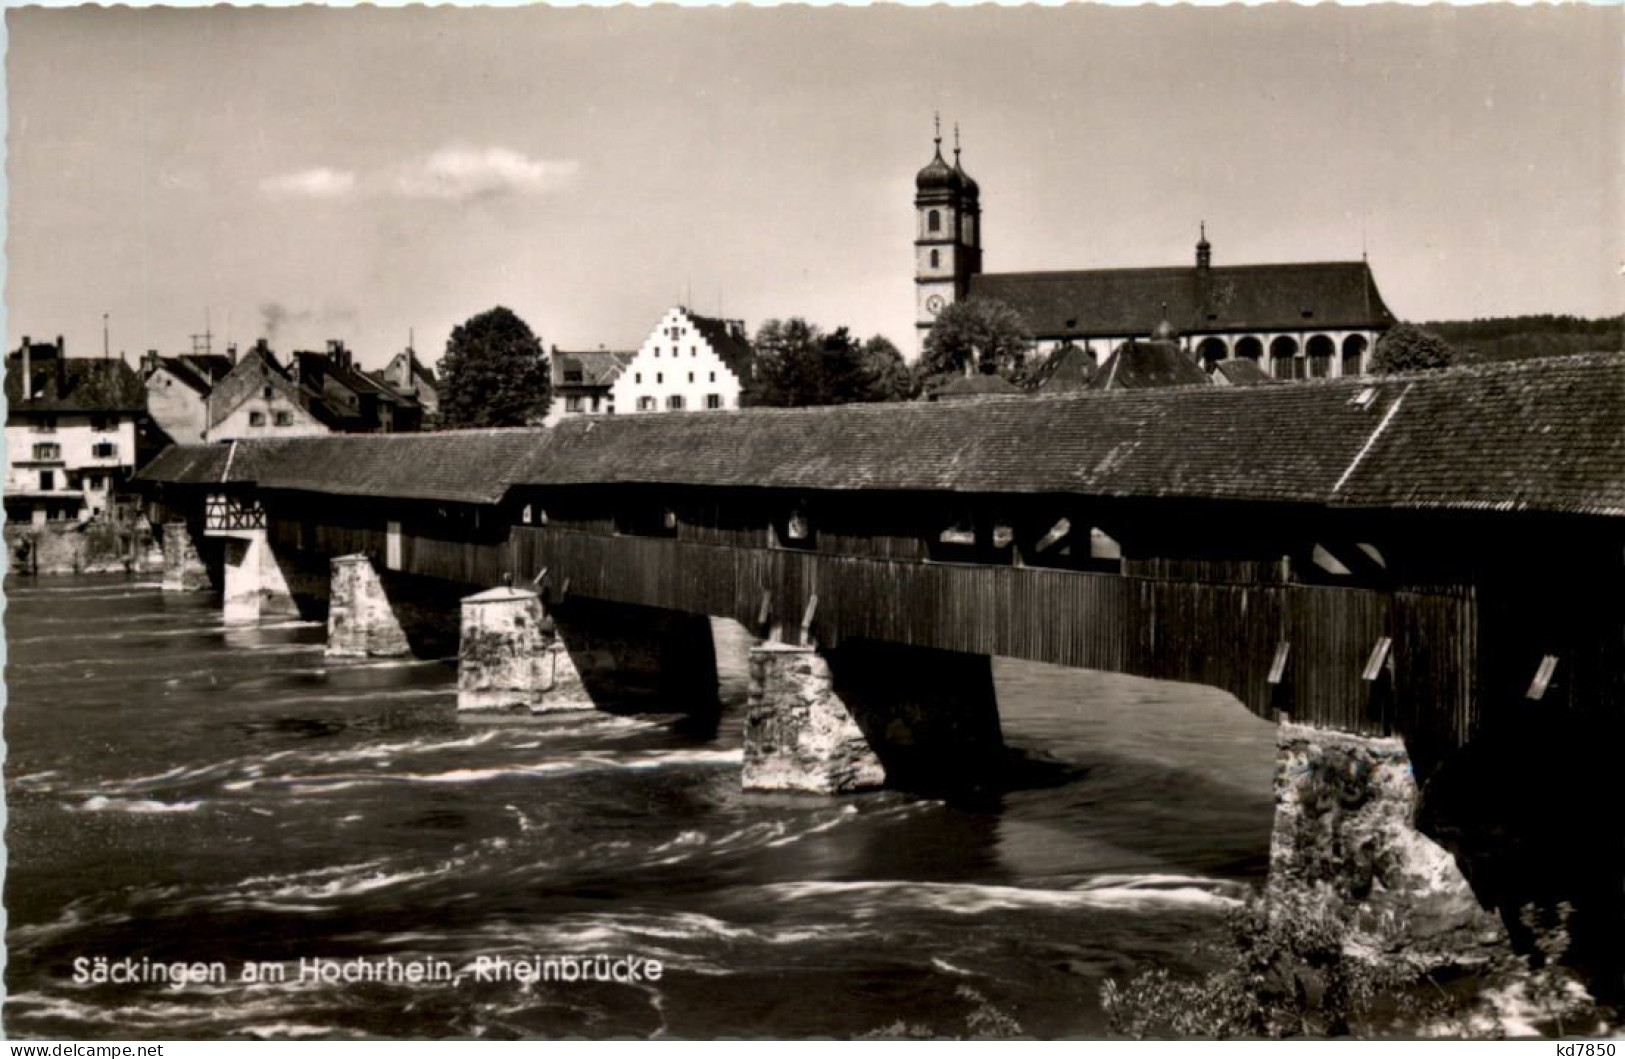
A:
(28, 367)
(149, 363)
(61, 367)
(231, 353)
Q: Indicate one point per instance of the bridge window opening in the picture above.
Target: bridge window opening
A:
(647, 521)
(1249, 349)
(794, 530)
(1284, 358)
(1104, 547)
(1210, 352)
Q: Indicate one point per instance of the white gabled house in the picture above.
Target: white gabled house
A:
(689, 363)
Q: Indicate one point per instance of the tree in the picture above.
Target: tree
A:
(983, 333)
(496, 374)
(798, 364)
(1409, 348)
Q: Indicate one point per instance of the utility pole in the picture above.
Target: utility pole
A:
(104, 336)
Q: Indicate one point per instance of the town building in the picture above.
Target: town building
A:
(407, 375)
(689, 363)
(583, 382)
(71, 433)
(1306, 320)
(315, 393)
(178, 391)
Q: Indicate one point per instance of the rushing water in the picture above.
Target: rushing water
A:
(178, 791)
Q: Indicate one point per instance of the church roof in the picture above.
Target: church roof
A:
(1112, 302)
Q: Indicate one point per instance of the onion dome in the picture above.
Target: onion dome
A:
(965, 180)
(938, 175)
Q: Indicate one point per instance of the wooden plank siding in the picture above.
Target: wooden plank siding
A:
(1223, 635)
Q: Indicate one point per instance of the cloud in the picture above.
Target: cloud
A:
(318, 183)
(458, 174)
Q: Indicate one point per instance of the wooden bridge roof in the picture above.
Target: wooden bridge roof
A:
(1537, 435)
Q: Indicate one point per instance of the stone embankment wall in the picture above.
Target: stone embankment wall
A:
(96, 547)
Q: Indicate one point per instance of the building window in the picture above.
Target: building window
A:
(674, 403)
(713, 376)
(256, 419)
(693, 351)
(102, 424)
(284, 419)
(660, 376)
(47, 450)
(935, 260)
(47, 481)
(595, 404)
(572, 404)
(46, 425)
(691, 376)
(646, 404)
(934, 221)
(266, 393)
(638, 377)
(713, 400)
(94, 481)
(104, 450)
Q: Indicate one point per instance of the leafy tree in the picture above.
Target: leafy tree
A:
(798, 364)
(983, 333)
(495, 372)
(1409, 348)
(887, 375)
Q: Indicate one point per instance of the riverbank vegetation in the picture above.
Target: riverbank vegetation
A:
(1287, 967)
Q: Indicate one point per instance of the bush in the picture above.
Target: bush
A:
(1285, 969)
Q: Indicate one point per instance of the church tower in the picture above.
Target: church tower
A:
(948, 237)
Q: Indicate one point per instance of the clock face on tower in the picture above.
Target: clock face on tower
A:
(933, 304)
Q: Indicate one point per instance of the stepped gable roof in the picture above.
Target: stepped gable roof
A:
(1240, 371)
(1142, 365)
(1531, 435)
(75, 384)
(734, 349)
(1113, 302)
(597, 367)
(1069, 367)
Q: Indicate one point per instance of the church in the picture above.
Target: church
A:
(1295, 321)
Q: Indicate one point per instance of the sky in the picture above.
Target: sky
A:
(365, 174)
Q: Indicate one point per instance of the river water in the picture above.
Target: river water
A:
(178, 791)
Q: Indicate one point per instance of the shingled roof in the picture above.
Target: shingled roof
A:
(75, 384)
(596, 367)
(1530, 435)
(1117, 302)
(463, 466)
(1539, 435)
(730, 345)
(1143, 365)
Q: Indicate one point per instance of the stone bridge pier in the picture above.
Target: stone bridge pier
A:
(868, 714)
(385, 614)
(184, 568)
(519, 651)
